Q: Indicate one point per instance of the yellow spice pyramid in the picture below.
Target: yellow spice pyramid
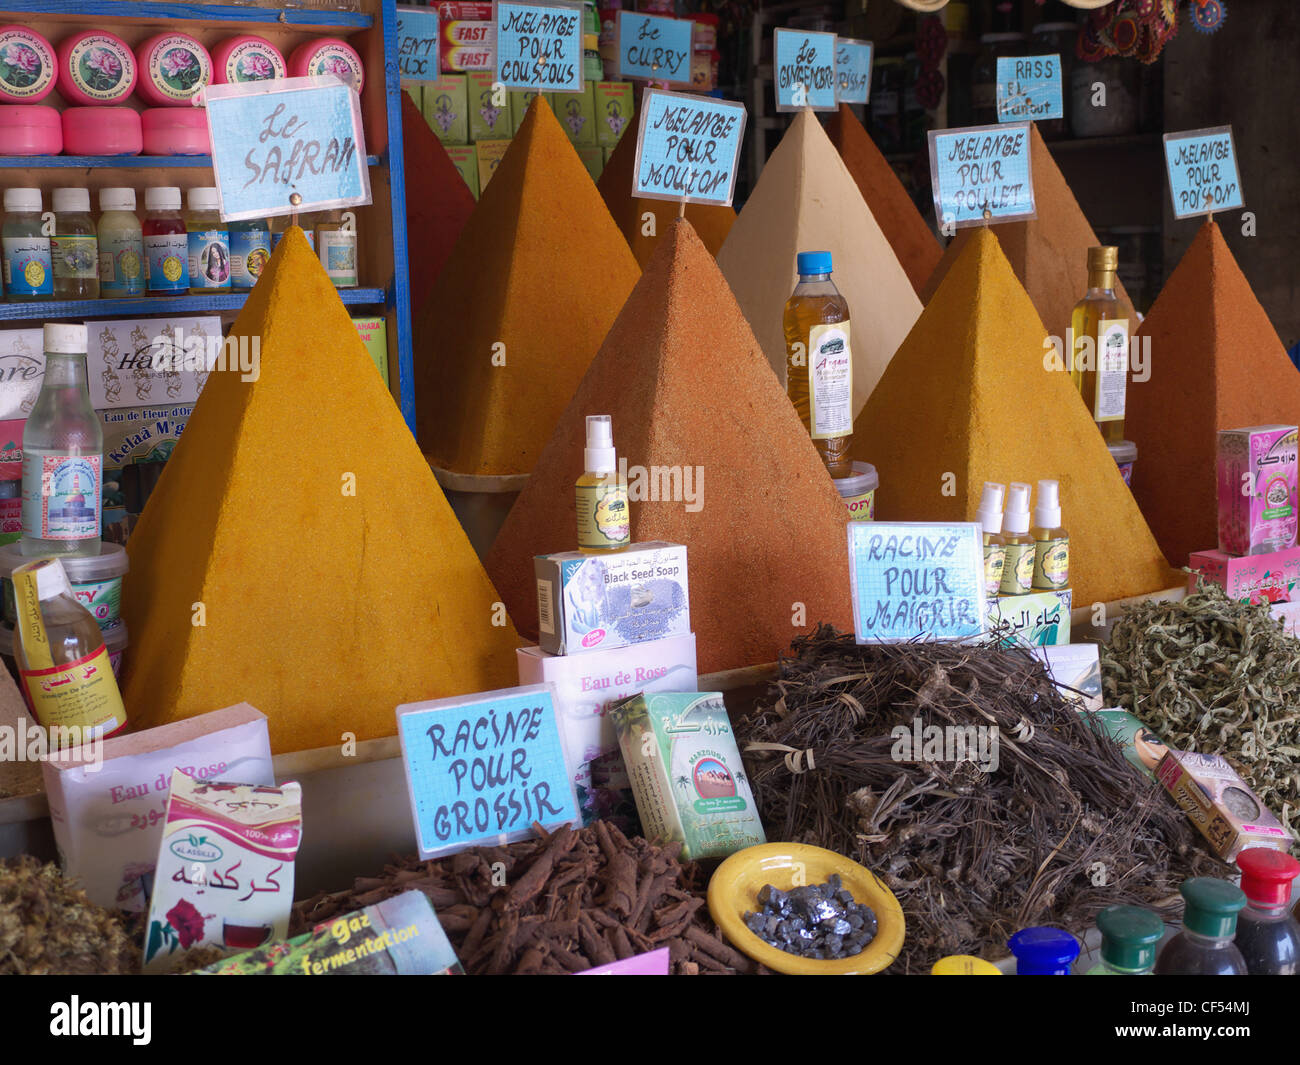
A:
(299, 522)
(968, 398)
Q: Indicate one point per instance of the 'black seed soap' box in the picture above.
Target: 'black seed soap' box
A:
(593, 601)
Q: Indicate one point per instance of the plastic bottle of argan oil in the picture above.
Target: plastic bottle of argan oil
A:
(604, 522)
(1051, 541)
(995, 547)
(1018, 571)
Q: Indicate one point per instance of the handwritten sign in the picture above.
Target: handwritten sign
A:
(1203, 171)
(805, 70)
(917, 579)
(417, 43)
(1029, 87)
(539, 46)
(271, 139)
(484, 768)
(852, 70)
(688, 148)
(981, 174)
(654, 47)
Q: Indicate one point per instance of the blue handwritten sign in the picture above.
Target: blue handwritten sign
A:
(981, 174)
(417, 43)
(852, 70)
(654, 47)
(1029, 88)
(539, 46)
(1203, 171)
(916, 579)
(688, 148)
(804, 70)
(484, 767)
(271, 139)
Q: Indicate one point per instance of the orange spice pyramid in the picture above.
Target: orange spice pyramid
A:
(533, 285)
(712, 224)
(770, 531)
(806, 200)
(297, 553)
(914, 244)
(1216, 363)
(1049, 253)
(969, 398)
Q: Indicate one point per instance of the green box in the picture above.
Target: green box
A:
(613, 111)
(1036, 619)
(576, 112)
(519, 101)
(374, 335)
(416, 92)
(465, 156)
(487, 122)
(446, 108)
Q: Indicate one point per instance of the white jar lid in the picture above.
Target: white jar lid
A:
(65, 338)
(117, 199)
(71, 201)
(162, 198)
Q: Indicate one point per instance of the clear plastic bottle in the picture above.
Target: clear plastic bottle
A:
(166, 243)
(121, 245)
(1051, 541)
(28, 267)
(1100, 364)
(250, 251)
(1267, 936)
(63, 454)
(1129, 935)
(1043, 951)
(336, 245)
(1018, 570)
(74, 248)
(208, 241)
(604, 521)
(1204, 947)
(819, 360)
(995, 547)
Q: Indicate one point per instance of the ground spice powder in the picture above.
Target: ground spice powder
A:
(968, 399)
(770, 532)
(914, 244)
(1216, 362)
(535, 281)
(297, 552)
(806, 200)
(712, 224)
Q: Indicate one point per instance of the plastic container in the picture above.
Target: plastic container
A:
(115, 639)
(858, 491)
(166, 243)
(96, 582)
(28, 271)
(1125, 454)
(1204, 947)
(96, 68)
(250, 251)
(336, 247)
(209, 243)
(1267, 936)
(328, 55)
(174, 68)
(121, 245)
(246, 58)
(74, 248)
(30, 129)
(28, 66)
(1043, 951)
(175, 131)
(102, 131)
(1129, 935)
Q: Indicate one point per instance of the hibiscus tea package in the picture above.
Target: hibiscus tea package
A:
(224, 875)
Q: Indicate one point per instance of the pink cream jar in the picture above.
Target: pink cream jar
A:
(102, 131)
(30, 129)
(96, 68)
(176, 131)
(28, 67)
(174, 68)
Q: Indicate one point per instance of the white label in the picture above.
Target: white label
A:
(830, 381)
(1112, 370)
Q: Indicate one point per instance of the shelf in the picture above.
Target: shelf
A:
(117, 162)
(117, 9)
(141, 306)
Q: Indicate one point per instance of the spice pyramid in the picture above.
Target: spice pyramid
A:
(1216, 363)
(319, 575)
(533, 285)
(806, 200)
(915, 246)
(969, 398)
(1049, 253)
(712, 224)
(438, 202)
(770, 531)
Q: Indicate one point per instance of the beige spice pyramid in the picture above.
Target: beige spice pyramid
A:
(297, 553)
(770, 534)
(968, 398)
(806, 200)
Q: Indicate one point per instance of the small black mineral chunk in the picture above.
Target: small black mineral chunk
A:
(814, 921)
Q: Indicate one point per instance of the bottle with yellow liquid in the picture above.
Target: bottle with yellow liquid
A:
(995, 547)
(604, 522)
(1051, 541)
(1100, 325)
(1018, 570)
(819, 360)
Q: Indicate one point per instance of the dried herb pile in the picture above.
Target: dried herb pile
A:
(570, 901)
(1215, 676)
(1063, 827)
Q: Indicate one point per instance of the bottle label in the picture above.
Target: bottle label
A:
(830, 381)
(209, 258)
(1018, 569)
(75, 258)
(27, 266)
(603, 516)
(61, 496)
(121, 266)
(81, 694)
(167, 262)
(250, 251)
(861, 508)
(338, 255)
(1052, 564)
(1112, 370)
(995, 558)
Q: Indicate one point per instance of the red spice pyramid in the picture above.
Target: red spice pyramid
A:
(1216, 363)
(914, 244)
(711, 223)
(968, 399)
(770, 533)
(438, 202)
(536, 279)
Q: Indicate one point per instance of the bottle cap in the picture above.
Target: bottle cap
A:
(989, 514)
(599, 454)
(1106, 258)
(203, 199)
(1129, 935)
(1043, 951)
(51, 580)
(22, 200)
(1266, 875)
(163, 198)
(1211, 906)
(1047, 515)
(813, 262)
(71, 201)
(65, 339)
(1016, 519)
(117, 199)
(964, 965)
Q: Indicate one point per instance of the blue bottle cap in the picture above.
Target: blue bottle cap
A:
(1043, 951)
(813, 262)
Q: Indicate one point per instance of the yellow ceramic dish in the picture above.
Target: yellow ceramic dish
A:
(734, 888)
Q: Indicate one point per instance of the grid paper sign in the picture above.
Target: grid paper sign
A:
(417, 43)
(539, 46)
(482, 768)
(654, 47)
(271, 139)
(1029, 88)
(1203, 171)
(804, 70)
(852, 70)
(688, 148)
(981, 174)
(915, 580)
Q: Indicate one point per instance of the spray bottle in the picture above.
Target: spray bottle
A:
(604, 522)
(995, 547)
(1018, 570)
(1051, 542)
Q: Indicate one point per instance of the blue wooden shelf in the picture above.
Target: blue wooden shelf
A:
(116, 162)
(104, 11)
(136, 307)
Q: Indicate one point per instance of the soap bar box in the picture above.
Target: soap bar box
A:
(1037, 619)
(1220, 804)
(1269, 578)
(1259, 485)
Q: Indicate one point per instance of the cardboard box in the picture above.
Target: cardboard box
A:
(144, 362)
(373, 332)
(519, 101)
(576, 112)
(415, 90)
(487, 121)
(446, 108)
(465, 156)
(11, 449)
(467, 33)
(490, 154)
(614, 111)
(1220, 804)
(138, 441)
(1035, 619)
(1269, 578)
(586, 686)
(1075, 668)
(1259, 489)
(22, 368)
(593, 157)
(1142, 747)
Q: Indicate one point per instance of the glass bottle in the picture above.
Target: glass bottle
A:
(74, 248)
(1267, 936)
(336, 245)
(166, 244)
(250, 251)
(121, 245)
(1100, 344)
(604, 521)
(208, 242)
(1043, 951)
(1129, 935)
(1204, 947)
(28, 268)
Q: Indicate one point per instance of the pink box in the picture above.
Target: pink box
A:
(1268, 578)
(1257, 472)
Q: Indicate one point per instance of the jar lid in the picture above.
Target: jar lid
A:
(203, 198)
(30, 65)
(71, 201)
(1211, 906)
(162, 198)
(23, 200)
(1123, 451)
(964, 965)
(1266, 875)
(1043, 951)
(112, 560)
(65, 338)
(101, 131)
(30, 116)
(1129, 935)
(862, 480)
(117, 199)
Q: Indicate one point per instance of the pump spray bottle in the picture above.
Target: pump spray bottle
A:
(1018, 571)
(1051, 541)
(604, 522)
(995, 547)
